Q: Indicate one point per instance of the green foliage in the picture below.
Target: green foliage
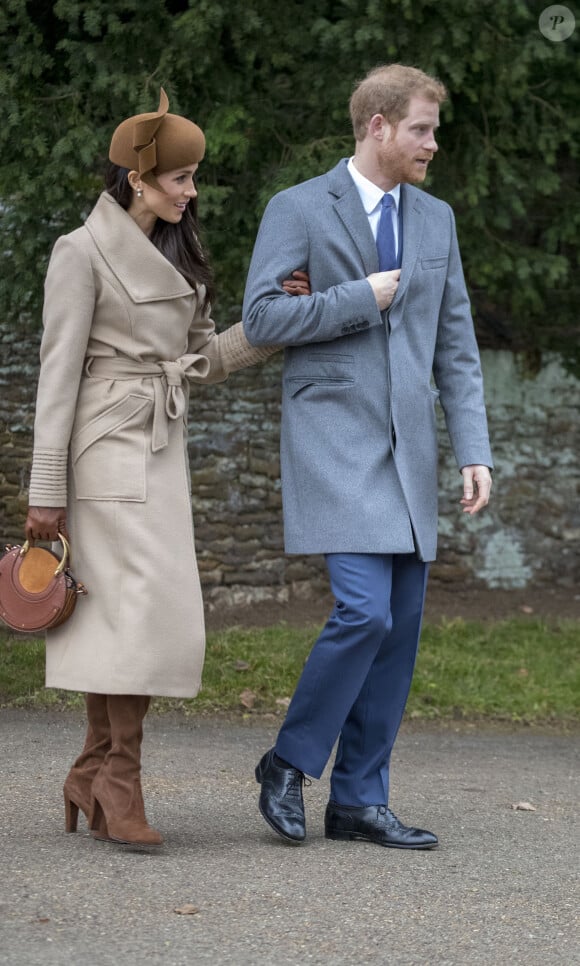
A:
(270, 86)
(519, 670)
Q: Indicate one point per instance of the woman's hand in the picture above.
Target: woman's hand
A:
(45, 523)
(298, 284)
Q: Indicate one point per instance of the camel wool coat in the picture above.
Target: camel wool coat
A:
(124, 334)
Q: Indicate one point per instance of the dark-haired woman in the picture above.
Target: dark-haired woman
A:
(127, 326)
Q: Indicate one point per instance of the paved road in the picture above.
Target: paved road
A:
(502, 888)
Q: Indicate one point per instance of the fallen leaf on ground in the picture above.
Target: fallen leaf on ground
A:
(186, 910)
(526, 609)
(241, 666)
(247, 698)
(283, 702)
(523, 807)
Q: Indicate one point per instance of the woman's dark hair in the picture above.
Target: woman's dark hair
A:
(179, 243)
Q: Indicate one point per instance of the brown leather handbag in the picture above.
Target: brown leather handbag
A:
(37, 589)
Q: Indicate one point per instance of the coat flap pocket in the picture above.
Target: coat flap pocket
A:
(320, 367)
(440, 262)
(126, 410)
(296, 384)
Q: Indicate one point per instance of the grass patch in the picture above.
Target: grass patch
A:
(522, 670)
(519, 670)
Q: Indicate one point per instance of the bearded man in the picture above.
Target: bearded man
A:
(386, 334)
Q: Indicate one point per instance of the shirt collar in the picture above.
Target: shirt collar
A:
(371, 195)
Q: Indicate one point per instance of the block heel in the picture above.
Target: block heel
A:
(71, 813)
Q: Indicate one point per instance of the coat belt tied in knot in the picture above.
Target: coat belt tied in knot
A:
(169, 398)
(175, 397)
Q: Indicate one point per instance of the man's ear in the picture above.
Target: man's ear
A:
(379, 128)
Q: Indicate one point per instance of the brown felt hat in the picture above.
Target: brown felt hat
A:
(156, 142)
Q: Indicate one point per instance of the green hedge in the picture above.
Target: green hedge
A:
(270, 86)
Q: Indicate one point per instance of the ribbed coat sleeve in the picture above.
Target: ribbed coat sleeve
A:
(227, 351)
(69, 299)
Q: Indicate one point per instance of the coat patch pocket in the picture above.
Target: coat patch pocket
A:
(108, 454)
(428, 263)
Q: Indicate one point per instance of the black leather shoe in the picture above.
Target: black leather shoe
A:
(374, 823)
(281, 801)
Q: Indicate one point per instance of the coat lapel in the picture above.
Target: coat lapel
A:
(142, 270)
(349, 209)
(413, 222)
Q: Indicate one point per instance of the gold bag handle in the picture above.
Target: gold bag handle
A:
(65, 553)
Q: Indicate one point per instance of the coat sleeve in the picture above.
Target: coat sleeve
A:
(457, 368)
(227, 351)
(69, 300)
(270, 315)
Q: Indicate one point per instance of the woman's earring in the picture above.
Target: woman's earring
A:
(139, 192)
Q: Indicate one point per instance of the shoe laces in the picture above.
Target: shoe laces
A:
(296, 782)
(390, 817)
(385, 810)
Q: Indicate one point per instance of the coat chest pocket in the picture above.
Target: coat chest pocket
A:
(108, 454)
(428, 264)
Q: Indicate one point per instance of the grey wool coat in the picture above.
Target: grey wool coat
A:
(359, 438)
(124, 334)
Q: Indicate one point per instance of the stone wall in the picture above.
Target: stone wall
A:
(530, 534)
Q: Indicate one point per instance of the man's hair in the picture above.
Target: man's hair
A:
(387, 90)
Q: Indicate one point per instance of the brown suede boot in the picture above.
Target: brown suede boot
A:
(78, 783)
(117, 795)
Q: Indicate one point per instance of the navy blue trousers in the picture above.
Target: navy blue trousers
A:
(355, 683)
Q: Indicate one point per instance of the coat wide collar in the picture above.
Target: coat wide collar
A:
(145, 274)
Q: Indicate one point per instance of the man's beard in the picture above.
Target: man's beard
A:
(396, 166)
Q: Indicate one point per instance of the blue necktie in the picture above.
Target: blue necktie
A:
(386, 236)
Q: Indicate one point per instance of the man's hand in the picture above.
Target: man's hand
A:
(299, 284)
(384, 286)
(476, 488)
(45, 523)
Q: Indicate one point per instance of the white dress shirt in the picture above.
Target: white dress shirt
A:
(371, 196)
